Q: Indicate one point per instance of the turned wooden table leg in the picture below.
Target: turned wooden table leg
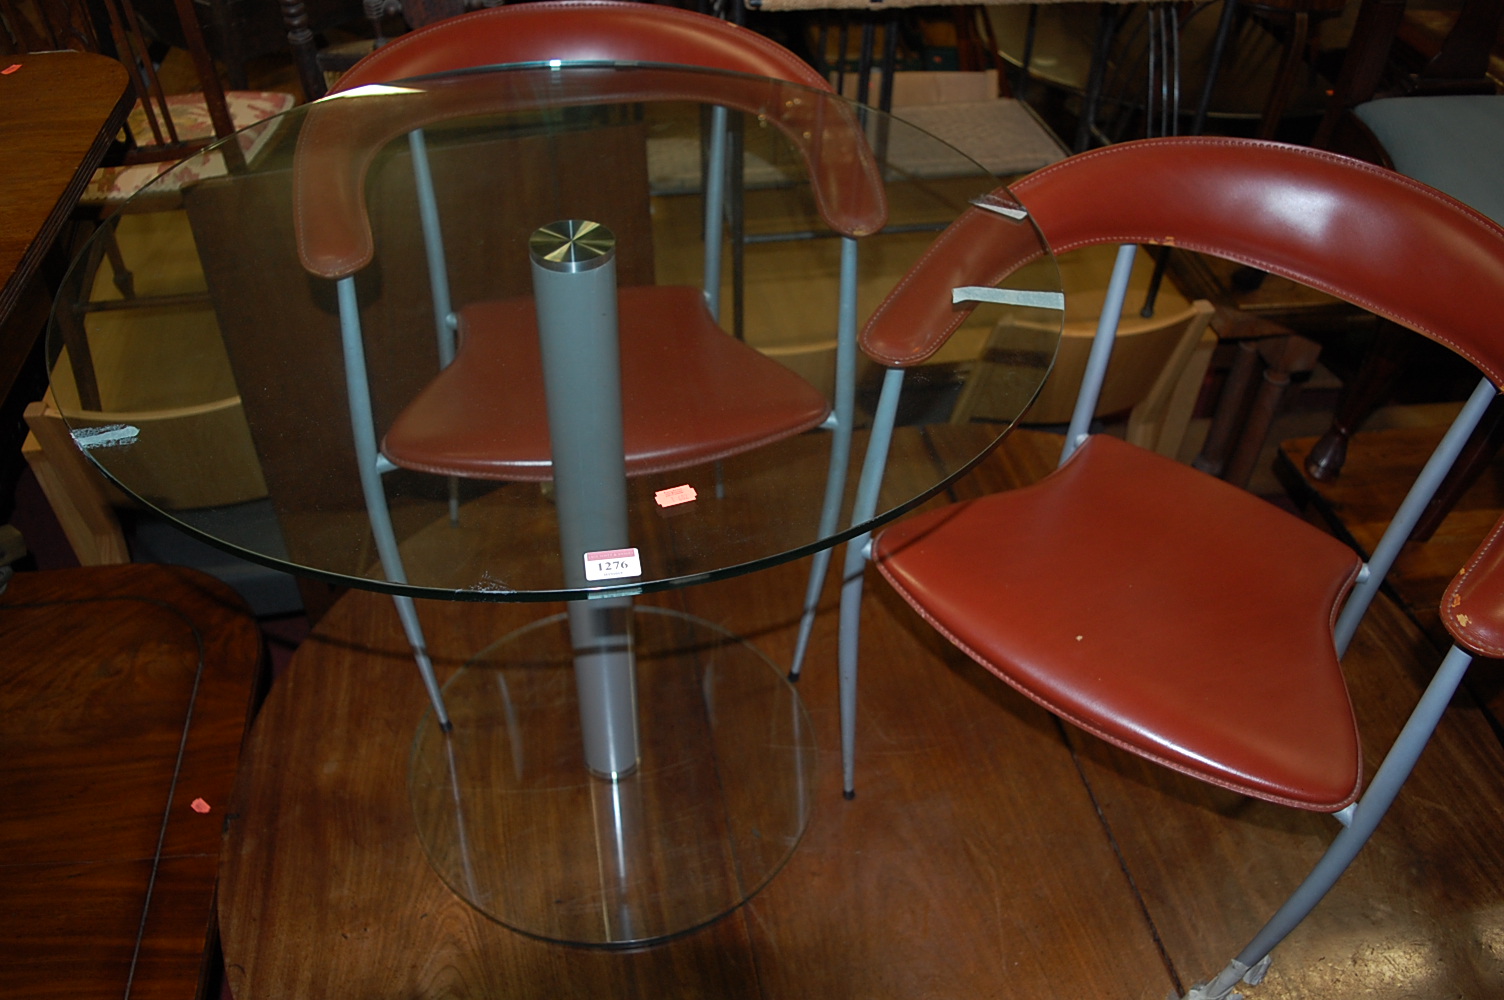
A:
(1230, 406)
(304, 53)
(1282, 358)
(1373, 385)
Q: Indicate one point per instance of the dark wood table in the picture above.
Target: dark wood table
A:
(988, 852)
(125, 693)
(58, 114)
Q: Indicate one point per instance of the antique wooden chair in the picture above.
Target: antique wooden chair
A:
(163, 131)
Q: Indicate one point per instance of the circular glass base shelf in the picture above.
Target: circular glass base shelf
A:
(514, 823)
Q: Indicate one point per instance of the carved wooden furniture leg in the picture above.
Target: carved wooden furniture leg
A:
(304, 53)
(1280, 357)
(1284, 77)
(1240, 380)
(1269, 354)
(70, 323)
(1373, 384)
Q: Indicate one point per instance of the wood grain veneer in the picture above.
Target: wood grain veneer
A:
(58, 113)
(988, 853)
(125, 692)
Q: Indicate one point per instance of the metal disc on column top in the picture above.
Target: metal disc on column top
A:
(572, 245)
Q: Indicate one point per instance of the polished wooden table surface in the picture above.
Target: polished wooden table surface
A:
(59, 112)
(989, 851)
(125, 693)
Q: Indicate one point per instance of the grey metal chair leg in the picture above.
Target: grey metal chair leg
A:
(1251, 962)
(829, 518)
(408, 613)
(843, 418)
(835, 488)
(819, 567)
(370, 464)
(857, 550)
(852, 578)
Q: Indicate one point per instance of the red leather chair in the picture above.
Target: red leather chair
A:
(459, 425)
(1167, 612)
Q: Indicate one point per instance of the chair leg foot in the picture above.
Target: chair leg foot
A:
(848, 794)
(1221, 988)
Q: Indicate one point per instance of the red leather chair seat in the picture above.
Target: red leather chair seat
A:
(1017, 580)
(691, 393)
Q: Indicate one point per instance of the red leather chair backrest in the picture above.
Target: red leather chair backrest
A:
(1362, 233)
(339, 139)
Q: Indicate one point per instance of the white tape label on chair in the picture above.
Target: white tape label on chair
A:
(612, 564)
(1008, 297)
(108, 436)
(1007, 211)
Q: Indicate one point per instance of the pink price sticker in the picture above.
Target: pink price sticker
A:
(612, 564)
(675, 495)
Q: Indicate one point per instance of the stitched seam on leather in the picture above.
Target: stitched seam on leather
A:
(898, 361)
(1476, 219)
(345, 265)
(528, 473)
(1331, 624)
(1107, 737)
(940, 245)
(1352, 578)
(955, 640)
(1266, 265)
(644, 469)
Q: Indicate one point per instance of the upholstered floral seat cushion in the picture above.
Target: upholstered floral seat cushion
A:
(190, 119)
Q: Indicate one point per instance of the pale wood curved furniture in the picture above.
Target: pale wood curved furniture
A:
(1158, 367)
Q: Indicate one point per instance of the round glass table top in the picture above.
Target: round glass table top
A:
(213, 385)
